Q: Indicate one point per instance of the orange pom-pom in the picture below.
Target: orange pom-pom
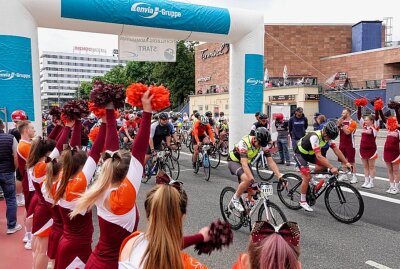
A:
(100, 112)
(392, 123)
(94, 132)
(378, 104)
(134, 94)
(160, 97)
(361, 101)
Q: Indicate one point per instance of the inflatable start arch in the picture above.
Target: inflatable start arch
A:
(19, 62)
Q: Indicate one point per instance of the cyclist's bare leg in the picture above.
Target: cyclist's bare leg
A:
(195, 153)
(245, 183)
(304, 184)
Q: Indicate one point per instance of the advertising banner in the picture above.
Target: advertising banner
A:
(151, 13)
(16, 86)
(146, 49)
(253, 83)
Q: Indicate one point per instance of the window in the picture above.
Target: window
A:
(206, 107)
(200, 108)
(226, 106)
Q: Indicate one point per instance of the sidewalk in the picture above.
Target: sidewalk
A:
(12, 251)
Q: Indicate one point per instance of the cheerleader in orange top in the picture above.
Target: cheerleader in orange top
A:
(48, 188)
(27, 132)
(75, 245)
(391, 151)
(368, 148)
(114, 192)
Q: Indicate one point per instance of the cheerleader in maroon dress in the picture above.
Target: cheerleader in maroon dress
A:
(368, 148)
(74, 247)
(391, 150)
(49, 185)
(114, 192)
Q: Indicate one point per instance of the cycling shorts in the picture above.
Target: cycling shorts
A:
(236, 169)
(201, 138)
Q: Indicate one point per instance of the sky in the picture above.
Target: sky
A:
(275, 11)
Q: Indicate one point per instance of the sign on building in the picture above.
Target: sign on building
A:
(145, 49)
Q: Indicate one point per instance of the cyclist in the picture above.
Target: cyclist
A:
(210, 119)
(127, 131)
(201, 129)
(159, 132)
(309, 151)
(222, 128)
(262, 122)
(240, 157)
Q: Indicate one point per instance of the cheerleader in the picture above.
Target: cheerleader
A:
(368, 148)
(114, 192)
(74, 247)
(391, 150)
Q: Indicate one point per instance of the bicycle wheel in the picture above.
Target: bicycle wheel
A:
(215, 158)
(197, 167)
(290, 196)
(191, 146)
(224, 147)
(167, 169)
(147, 172)
(344, 202)
(176, 152)
(206, 167)
(263, 171)
(174, 166)
(229, 214)
(275, 214)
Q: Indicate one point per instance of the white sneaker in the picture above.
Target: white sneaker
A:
(389, 190)
(306, 206)
(394, 191)
(28, 245)
(343, 178)
(26, 238)
(354, 179)
(366, 183)
(369, 185)
(15, 229)
(237, 205)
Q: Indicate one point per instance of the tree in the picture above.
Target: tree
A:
(84, 89)
(140, 72)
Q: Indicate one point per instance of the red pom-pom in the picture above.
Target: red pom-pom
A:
(221, 235)
(392, 123)
(101, 112)
(74, 109)
(134, 94)
(160, 97)
(55, 112)
(378, 104)
(361, 101)
(93, 133)
(103, 93)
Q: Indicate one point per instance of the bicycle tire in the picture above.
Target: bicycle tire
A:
(215, 158)
(174, 166)
(176, 153)
(262, 171)
(167, 169)
(224, 148)
(191, 147)
(206, 168)
(147, 175)
(197, 167)
(290, 196)
(339, 191)
(274, 211)
(234, 220)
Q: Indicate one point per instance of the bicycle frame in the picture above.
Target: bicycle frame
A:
(259, 155)
(263, 200)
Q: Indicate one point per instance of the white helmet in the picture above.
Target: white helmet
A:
(204, 120)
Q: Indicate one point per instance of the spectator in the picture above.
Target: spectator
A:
(271, 247)
(89, 123)
(257, 115)
(262, 122)
(298, 125)
(8, 164)
(316, 124)
(282, 127)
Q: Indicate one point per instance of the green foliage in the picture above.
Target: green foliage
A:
(178, 77)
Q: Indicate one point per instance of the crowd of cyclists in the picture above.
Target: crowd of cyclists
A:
(61, 186)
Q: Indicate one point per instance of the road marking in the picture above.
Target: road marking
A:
(377, 265)
(363, 193)
(186, 170)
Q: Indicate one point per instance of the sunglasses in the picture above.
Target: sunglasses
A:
(289, 231)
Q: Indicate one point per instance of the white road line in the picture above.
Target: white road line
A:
(185, 170)
(377, 265)
(363, 193)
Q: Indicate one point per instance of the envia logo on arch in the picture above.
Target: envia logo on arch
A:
(253, 81)
(7, 75)
(147, 11)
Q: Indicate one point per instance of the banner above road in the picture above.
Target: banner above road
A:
(144, 49)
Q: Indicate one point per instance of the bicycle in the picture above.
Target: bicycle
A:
(222, 145)
(262, 168)
(161, 161)
(203, 160)
(250, 204)
(337, 194)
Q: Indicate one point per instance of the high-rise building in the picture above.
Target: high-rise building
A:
(62, 73)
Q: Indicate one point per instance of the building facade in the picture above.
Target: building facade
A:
(62, 73)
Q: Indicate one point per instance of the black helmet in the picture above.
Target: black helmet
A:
(263, 136)
(197, 115)
(263, 116)
(163, 116)
(155, 116)
(139, 114)
(208, 114)
(331, 130)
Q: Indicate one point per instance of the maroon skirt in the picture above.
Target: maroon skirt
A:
(30, 202)
(40, 226)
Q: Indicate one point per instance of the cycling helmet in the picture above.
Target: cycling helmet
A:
(263, 136)
(222, 119)
(139, 114)
(263, 116)
(208, 114)
(155, 116)
(197, 115)
(331, 130)
(18, 115)
(131, 116)
(163, 116)
(204, 120)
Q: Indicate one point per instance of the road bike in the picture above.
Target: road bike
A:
(222, 145)
(260, 200)
(203, 160)
(262, 168)
(343, 201)
(162, 161)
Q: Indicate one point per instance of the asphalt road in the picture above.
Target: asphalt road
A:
(325, 242)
